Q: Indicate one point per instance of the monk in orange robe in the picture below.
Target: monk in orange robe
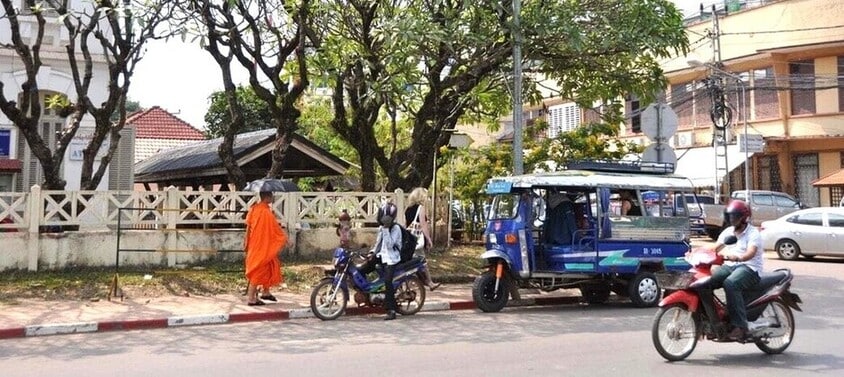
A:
(264, 239)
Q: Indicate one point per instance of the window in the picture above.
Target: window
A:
(764, 94)
(841, 84)
(836, 194)
(682, 102)
(768, 177)
(802, 79)
(811, 218)
(562, 118)
(782, 201)
(634, 113)
(806, 172)
(835, 219)
(762, 199)
(703, 104)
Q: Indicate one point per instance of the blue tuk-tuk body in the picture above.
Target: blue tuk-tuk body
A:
(573, 229)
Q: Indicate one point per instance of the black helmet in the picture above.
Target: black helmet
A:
(737, 213)
(387, 214)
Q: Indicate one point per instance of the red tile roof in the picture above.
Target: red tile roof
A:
(157, 123)
(833, 179)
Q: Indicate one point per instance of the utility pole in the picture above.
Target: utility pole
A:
(518, 164)
(719, 132)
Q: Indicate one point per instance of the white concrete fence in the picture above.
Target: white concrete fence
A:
(43, 230)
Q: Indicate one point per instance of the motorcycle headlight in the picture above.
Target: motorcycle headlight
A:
(493, 238)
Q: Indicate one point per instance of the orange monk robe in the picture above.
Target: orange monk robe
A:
(264, 239)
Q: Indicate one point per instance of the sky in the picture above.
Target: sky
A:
(179, 76)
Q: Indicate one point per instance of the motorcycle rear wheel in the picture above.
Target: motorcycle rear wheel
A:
(675, 332)
(323, 305)
(780, 313)
(410, 296)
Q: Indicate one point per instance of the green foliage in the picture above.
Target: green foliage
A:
(255, 112)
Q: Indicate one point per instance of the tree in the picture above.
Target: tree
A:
(99, 31)
(438, 63)
(268, 39)
(313, 123)
(254, 111)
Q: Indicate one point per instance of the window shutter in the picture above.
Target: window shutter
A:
(121, 170)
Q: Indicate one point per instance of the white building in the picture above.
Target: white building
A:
(20, 169)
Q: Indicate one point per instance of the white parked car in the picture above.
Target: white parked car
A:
(807, 232)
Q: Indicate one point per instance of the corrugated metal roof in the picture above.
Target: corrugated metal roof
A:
(200, 162)
(202, 154)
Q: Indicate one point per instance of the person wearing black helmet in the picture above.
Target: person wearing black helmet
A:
(387, 247)
(742, 264)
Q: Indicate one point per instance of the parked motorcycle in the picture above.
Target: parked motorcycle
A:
(331, 295)
(694, 312)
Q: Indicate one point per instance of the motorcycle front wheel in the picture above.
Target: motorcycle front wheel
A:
(777, 312)
(328, 300)
(675, 332)
(410, 296)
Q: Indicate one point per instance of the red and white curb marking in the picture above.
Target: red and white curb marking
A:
(223, 318)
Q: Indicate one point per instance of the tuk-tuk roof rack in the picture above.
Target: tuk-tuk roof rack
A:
(646, 167)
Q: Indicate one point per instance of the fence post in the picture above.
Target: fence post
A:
(171, 206)
(35, 208)
(400, 204)
(291, 218)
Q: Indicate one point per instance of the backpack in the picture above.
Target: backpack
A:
(408, 244)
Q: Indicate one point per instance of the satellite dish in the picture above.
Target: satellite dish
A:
(658, 152)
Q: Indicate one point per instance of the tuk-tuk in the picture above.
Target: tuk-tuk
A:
(601, 227)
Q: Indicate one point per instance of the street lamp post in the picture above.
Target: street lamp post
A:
(743, 111)
(456, 139)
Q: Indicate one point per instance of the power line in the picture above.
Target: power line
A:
(784, 31)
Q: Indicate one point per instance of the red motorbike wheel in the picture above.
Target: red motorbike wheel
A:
(675, 332)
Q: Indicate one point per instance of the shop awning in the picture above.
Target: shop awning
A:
(834, 179)
(698, 164)
(10, 165)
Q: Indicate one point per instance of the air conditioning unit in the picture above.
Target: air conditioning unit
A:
(684, 139)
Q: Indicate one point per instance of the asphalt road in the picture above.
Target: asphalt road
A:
(610, 340)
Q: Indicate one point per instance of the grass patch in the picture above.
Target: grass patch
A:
(86, 283)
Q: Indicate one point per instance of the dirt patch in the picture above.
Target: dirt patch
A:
(458, 262)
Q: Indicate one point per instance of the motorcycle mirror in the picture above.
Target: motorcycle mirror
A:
(730, 240)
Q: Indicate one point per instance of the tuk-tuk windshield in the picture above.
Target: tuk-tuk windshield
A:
(504, 206)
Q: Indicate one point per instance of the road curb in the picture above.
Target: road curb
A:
(226, 318)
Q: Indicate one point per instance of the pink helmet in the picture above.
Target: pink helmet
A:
(737, 209)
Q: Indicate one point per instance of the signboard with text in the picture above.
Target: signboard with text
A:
(754, 143)
(5, 143)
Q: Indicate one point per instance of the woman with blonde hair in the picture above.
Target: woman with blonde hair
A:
(415, 217)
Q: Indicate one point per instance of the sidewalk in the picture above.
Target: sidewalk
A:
(32, 317)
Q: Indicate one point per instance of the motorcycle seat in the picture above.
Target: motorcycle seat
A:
(410, 262)
(770, 279)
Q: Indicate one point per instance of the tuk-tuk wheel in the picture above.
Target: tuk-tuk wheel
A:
(486, 297)
(644, 290)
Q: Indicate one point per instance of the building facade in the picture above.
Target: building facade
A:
(20, 169)
(781, 69)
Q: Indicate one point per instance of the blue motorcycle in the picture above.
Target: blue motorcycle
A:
(331, 295)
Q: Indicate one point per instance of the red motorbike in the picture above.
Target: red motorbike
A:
(693, 312)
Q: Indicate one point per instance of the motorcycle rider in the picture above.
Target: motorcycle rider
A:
(742, 264)
(387, 247)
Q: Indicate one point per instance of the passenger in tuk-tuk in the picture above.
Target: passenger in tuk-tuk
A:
(629, 205)
(563, 218)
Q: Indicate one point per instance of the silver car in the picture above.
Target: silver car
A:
(808, 232)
